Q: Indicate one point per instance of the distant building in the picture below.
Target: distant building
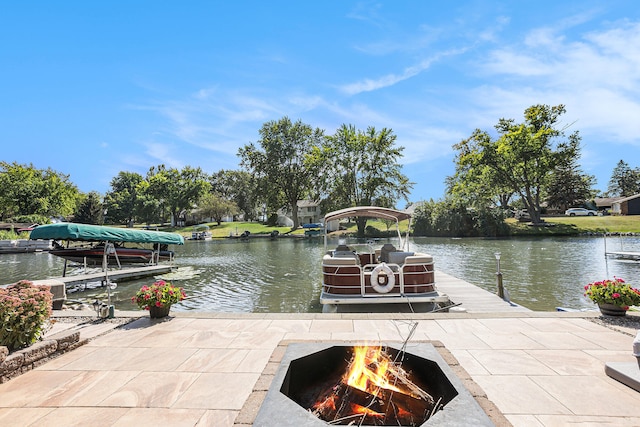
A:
(308, 213)
(626, 206)
(606, 203)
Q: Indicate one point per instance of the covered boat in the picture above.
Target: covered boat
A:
(365, 274)
(201, 232)
(109, 243)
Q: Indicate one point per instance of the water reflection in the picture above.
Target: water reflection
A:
(283, 275)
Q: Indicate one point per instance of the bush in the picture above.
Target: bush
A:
(31, 219)
(24, 309)
(452, 218)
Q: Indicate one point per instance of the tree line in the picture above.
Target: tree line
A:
(523, 165)
(291, 161)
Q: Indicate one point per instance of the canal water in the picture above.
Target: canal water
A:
(284, 275)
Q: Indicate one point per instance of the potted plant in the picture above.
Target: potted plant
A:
(612, 296)
(158, 298)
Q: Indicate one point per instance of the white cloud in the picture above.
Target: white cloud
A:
(368, 85)
(597, 77)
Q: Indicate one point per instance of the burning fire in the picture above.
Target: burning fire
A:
(359, 409)
(369, 370)
(374, 389)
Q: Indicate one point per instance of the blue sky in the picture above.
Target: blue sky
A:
(92, 88)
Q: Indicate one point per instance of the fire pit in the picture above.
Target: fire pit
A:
(319, 384)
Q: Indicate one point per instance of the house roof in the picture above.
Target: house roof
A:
(603, 202)
(626, 199)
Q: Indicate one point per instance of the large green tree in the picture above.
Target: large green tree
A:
(26, 190)
(280, 163)
(238, 187)
(216, 207)
(361, 168)
(90, 210)
(122, 200)
(569, 186)
(177, 190)
(524, 156)
(625, 180)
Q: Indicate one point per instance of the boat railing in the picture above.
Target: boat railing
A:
(409, 273)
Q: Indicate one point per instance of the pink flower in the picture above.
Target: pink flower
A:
(615, 295)
(158, 304)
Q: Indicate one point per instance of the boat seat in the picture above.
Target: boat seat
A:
(398, 257)
(330, 260)
(419, 258)
(385, 250)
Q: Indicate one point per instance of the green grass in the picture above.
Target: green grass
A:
(10, 235)
(566, 225)
(235, 229)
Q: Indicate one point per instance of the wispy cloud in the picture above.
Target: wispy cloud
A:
(596, 76)
(368, 85)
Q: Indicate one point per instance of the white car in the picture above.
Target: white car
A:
(580, 212)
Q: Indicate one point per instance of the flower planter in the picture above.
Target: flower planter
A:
(159, 312)
(611, 309)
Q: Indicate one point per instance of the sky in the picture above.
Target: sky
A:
(93, 88)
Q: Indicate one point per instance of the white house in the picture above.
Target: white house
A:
(308, 213)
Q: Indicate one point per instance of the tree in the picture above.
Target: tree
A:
(122, 201)
(568, 186)
(90, 210)
(148, 209)
(523, 157)
(624, 181)
(239, 187)
(281, 163)
(216, 207)
(477, 186)
(25, 190)
(360, 169)
(177, 190)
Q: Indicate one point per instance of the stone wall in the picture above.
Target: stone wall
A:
(21, 361)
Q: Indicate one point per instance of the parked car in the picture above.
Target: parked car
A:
(580, 212)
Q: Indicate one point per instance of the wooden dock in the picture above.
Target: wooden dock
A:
(473, 298)
(122, 275)
(634, 256)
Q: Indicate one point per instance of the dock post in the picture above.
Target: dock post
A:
(499, 276)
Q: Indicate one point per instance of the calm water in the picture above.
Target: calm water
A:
(262, 275)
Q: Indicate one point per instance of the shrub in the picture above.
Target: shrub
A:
(24, 309)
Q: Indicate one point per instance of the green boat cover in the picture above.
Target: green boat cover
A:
(99, 233)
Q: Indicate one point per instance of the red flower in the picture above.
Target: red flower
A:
(615, 295)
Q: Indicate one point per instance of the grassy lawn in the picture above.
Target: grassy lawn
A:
(566, 225)
(227, 229)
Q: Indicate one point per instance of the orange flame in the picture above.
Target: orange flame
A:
(369, 370)
(359, 409)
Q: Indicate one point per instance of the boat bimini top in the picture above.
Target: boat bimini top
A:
(372, 212)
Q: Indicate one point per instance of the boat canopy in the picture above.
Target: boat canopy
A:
(99, 233)
(367, 211)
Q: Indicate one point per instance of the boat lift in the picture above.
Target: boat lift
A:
(109, 236)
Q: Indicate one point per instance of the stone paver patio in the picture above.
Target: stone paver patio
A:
(538, 369)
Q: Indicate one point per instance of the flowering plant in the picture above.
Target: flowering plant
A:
(615, 291)
(24, 311)
(159, 294)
